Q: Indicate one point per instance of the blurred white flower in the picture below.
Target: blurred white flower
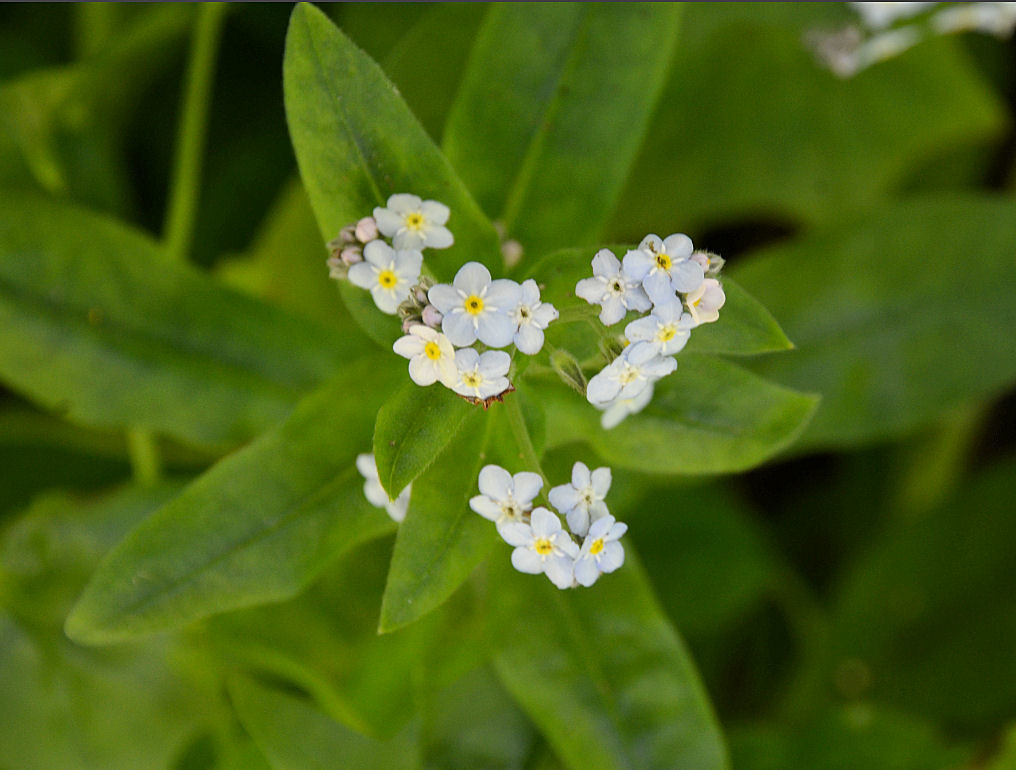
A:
(376, 494)
(618, 410)
(629, 374)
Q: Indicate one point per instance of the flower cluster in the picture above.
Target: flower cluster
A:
(541, 544)
(677, 285)
(376, 494)
(853, 48)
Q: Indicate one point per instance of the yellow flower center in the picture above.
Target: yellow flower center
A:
(414, 221)
(543, 546)
(617, 287)
(663, 261)
(387, 278)
(630, 374)
(472, 379)
(597, 546)
(667, 333)
(695, 302)
(474, 305)
(432, 351)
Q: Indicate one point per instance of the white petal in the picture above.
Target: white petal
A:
(422, 371)
(659, 367)
(529, 292)
(438, 237)
(564, 497)
(409, 346)
(560, 570)
(586, 572)
(379, 254)
(407, 264)
(459, 328)
(580, 477)
(486, 507)
(639, 354)
(599, 528)
(494, 363)
(675, 344)
(375, 493)
(446, 371)
(494, 387)
(601, 481)
(387, 300)
(407, 239)
(527, 560)
(614, 415)
(592, 290)
(472, 278)
(617, 530)
(527, 486)
(597, 511)
(503, 294)
(388, 221)
(444, 297)
(637, 299)
(397, 508)
(435, 212)
(633, 388)
(403, 203)
(642, 329)
(605, 263)
(678, 246)
(363, 274)
(602, 389)
(544, 523)
(495, 482)
(637, 264)
(544, 315)
(466, 359)
(516, 533)
(578, 521)
(366, 466)
(612, 312)
(612, 557)
(686, 276)
(529, 339)
(653, 241)
(496, 329)
(656, 283)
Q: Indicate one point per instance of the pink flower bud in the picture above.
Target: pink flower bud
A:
(421, 295)
(408, 323)
(366, 230)
(351, 255)
(432, 317)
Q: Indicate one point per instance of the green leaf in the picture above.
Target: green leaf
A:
(855, 736)
(296, 736)
(357, 142)
(441, 540)
(413, 428)
(602, 672)
(96, 323)
(256, 528)
(875, 310)
(745, 327)
(709, 416)
(806, 147)
(552, 109)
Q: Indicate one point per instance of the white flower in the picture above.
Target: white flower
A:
(431, 356)
(475, 307)
(878, 15)
(601, 553)
(504, 498)
(582, 501)
(705, 302)
(531, 317)
(481, 376)
(542, 546)
(618, 410)
(611, 289)
(629, 374)
(414, 224)
(667, 329)
(389, 274)
(376, 494)
(662, 265)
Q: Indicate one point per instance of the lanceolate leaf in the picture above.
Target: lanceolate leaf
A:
(552, 109)
(412, 429)
(602, 672)
(256, 528)
(709, 416)
(890, 347)
(442, 539)
(95, 322)
(357, 142)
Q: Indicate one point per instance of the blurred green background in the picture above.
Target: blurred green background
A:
(850, 605)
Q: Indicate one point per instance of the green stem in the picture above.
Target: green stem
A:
(518, 426)
(143, 452)
(192, 130)
(575, 313)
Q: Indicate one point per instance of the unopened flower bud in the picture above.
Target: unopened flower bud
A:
(408, 322)
(568, 369)
(351, 255)
(366, 230)
(432, 317)
(612, 347)
(421, 294)
(711, 263)
(337, 269)
(511, 250)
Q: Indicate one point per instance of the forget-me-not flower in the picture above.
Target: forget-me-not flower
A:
(505, 499)
(543, 546)
(664, 264)
(531, 317)
(388, 273)
(474, 307)
(376, 494)
(481, 376)
(628, 374)
(412, 223)
(600, 552)
(431, 356)
(582, 501)
(615, 292)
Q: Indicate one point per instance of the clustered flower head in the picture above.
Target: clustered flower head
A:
(441, 322)
(888, 29)
(679, 288)
(541, 545)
